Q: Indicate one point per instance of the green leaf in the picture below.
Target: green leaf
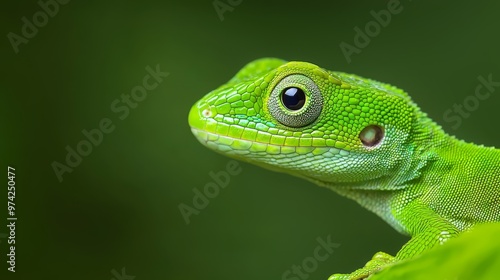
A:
(473, 255)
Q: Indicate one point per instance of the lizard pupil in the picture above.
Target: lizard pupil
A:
(371, 135)
(293, 98)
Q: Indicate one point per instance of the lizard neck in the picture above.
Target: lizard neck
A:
(459, 181)
(462, 181)
(435, 166)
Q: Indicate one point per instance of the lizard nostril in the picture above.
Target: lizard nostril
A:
(206, 113)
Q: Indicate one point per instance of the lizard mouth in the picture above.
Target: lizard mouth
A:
(303, 162)
(238, 146)
(311, 163)
(240, 140)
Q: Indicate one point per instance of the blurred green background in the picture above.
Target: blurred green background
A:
(119, 207)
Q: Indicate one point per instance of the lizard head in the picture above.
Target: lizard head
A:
(329, 127)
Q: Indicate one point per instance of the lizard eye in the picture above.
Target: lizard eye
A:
(371, 135)
(295, 101)
(293, 98)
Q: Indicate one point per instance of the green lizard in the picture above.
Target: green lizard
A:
(363, 139)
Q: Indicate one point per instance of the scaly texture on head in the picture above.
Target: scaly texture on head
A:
(333, 128)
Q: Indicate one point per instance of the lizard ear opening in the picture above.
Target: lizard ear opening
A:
(371, 135)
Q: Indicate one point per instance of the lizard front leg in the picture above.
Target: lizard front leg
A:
(428, 230)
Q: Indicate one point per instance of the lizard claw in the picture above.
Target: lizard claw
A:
(378, 262)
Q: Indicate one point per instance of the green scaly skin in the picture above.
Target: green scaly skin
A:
(422, 181)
